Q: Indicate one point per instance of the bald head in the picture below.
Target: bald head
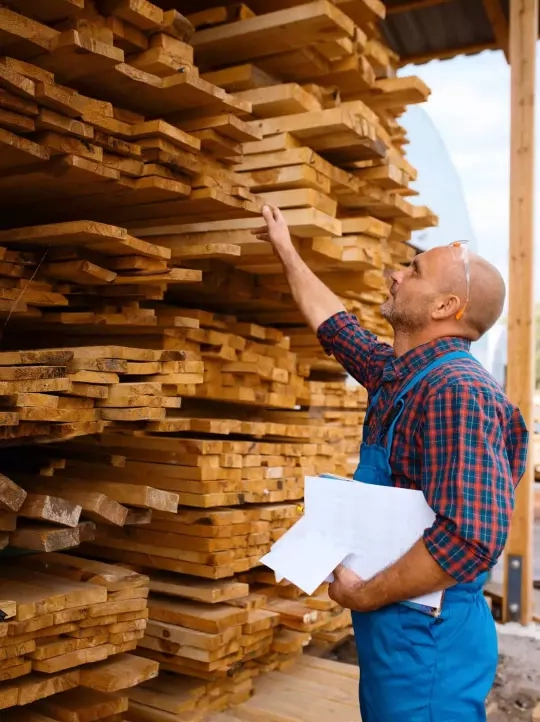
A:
(486, 288)
(486, 297)
(432, 297)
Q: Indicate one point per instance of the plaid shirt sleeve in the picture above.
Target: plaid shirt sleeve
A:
(356, 349)
(469, 475)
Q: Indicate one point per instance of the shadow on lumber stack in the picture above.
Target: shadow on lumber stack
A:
(69, 627)
(152, 355)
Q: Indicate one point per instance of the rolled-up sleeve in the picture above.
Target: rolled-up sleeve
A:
(355, 348)
(467, 480)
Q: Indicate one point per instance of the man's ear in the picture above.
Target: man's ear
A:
(445, 307)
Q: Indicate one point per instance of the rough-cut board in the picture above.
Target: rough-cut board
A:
(121, 672)
(12, 496)
(197, 590)
(328, 131)
(30, 36)
(303, 223)
(16, 152)
(270, 34)
(240, 77)
(98, 237)
(278, 100)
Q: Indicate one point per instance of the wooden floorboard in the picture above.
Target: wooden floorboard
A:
(314, 690)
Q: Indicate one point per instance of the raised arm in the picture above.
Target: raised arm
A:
(339, 332)
(316, 302)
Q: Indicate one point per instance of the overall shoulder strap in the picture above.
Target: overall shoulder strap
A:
(439, 361)
(399, 402)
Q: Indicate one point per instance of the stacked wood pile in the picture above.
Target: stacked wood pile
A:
(315, 619)
(152, 353)
(67, 631)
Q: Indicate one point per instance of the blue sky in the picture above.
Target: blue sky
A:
(464, 173)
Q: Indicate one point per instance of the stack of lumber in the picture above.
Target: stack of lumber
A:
(190, 358)
(81, 125)
(171, 697)
(159, 145)
(314, 620)
(63, 393)
(326, 104)
(69, 622)
(40, 512)
(40, 520)
(151, 349)
(97, 273)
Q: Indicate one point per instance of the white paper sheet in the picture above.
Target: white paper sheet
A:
(367, 527)
(305, 556)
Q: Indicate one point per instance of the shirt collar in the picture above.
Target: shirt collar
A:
(419, 357)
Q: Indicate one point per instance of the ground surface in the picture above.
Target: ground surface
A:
(516, 691)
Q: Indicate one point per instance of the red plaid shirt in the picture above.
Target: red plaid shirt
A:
(459, 440)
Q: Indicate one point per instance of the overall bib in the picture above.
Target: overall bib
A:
(417, 665)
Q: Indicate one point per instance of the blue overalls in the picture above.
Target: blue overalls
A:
(416, 665)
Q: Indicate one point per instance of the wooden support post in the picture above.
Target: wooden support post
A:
(518, 583)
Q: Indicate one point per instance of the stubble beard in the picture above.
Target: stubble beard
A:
(400, 320)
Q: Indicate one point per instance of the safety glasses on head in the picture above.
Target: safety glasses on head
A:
(461, 248)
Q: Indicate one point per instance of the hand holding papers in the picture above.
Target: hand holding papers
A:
(363, 526)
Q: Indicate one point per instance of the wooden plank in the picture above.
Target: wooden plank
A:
(29, 35)
(51, 509)
(197, 590)
(17, 152)
(106, 239)
(12, 496)
(279, 100)
(303, 223)
(119, 673)
(240, 78)
(44, 538)
(131, 494)
(270, 34)
(96, 506)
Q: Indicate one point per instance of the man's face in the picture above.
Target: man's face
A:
(413, 291)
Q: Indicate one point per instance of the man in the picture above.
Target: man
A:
(437, 421)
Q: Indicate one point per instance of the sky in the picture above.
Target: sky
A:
(460, 145)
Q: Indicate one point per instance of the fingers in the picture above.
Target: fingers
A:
(272, 214)
(268, 215)
(276, 213)
(276, 231)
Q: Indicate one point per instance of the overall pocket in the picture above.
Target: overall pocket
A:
(420, 631)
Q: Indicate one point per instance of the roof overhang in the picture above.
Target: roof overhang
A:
(423, 30)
